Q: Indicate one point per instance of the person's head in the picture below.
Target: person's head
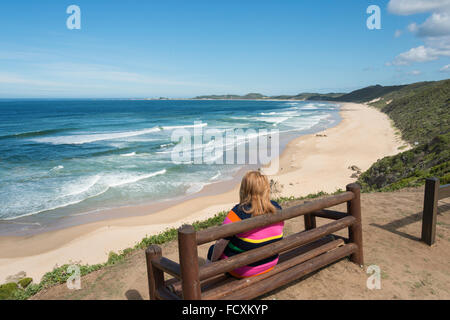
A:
(255, 194)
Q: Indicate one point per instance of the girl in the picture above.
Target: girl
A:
(254, 201)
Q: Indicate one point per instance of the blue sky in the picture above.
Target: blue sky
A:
(188, 48)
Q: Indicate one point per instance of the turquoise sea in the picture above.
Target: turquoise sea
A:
(62, 158)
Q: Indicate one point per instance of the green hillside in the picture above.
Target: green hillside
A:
(367, 94)
(410, 168)
(310, 96)
(422, 113)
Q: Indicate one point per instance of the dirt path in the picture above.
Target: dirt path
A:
(391, 229)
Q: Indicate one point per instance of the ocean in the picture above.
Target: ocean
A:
(62, 158)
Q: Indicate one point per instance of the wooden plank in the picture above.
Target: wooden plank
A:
(286, 255)
(164, 294)
(444, 192)
(330, 214)
(155, 276)
(430, 210)
(292, 241)
(187, 247)
(228, 288)
(294, 273)
(221, 232)
(167, 266)
(283, 258)
(355, 230)
(207, 284)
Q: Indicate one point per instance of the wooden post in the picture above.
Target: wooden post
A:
(355, 230)
(430, 210)
(155, 276)
(187, 246)
(310, 220)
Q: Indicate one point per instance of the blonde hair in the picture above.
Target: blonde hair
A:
(255, 192)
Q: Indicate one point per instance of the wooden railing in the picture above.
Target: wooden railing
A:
(192, 276)
(433, 193)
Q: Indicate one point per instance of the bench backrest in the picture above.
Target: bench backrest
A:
(188, 239)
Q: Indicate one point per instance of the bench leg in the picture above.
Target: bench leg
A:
(310, 221)
(155, 276)
(187, 246)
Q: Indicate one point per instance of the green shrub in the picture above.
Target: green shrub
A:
(7, 291)
(410, 168)
(25, 282)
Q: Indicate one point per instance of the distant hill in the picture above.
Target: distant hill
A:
(309, 96)
(367, 94)
(361, 95)
(249, 96)
(257, 96)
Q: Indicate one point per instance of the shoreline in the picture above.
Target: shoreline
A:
(12, 228)
(308, 164)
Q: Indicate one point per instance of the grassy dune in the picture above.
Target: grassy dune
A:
(421, 112)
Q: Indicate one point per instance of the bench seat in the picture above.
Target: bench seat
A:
(227, 287)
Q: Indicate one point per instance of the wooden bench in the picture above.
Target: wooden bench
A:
(300, 253)
(433, 193)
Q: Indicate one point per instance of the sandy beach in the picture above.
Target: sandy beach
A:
(311, 163)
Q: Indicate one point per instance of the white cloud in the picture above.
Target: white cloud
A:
(408, 7)
(398, 33)
(434, 31)
(413, 27)
(445, 68)
(415, 73)
(76, 79)
(8, 78)
(436, 25)
(88, 72)
(419, 54)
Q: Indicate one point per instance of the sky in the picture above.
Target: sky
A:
(181, 49)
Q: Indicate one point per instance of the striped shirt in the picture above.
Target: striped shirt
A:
(252, 239)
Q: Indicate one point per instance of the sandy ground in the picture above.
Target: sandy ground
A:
(391, 230)
(308, 164)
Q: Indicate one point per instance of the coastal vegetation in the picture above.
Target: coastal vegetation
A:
(421, 112)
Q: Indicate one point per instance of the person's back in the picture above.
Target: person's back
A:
(254, 201)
